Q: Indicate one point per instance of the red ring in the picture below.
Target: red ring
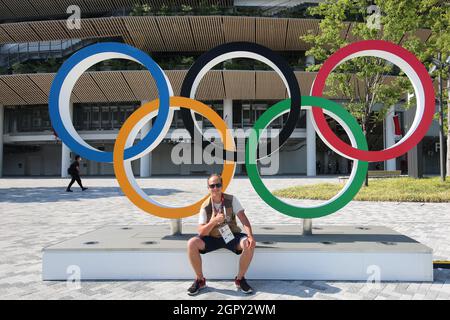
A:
(422, 128)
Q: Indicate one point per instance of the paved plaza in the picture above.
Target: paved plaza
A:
(35, 213)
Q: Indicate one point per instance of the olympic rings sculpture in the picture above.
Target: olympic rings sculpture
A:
(163, 109)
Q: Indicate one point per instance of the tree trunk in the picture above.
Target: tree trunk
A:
(448, 126)
(366, 182)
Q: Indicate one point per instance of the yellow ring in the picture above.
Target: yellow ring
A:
(119, 165)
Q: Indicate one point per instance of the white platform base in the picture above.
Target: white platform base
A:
(333, 253)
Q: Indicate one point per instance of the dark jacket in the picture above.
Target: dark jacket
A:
(74, 168)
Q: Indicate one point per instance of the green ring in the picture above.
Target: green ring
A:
(334, 204)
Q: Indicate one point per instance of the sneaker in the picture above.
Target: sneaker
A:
(196, 287)
(243, 285)
(82, 189)
(68, 190)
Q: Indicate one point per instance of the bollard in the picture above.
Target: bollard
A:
(307, 227)
(176, 227)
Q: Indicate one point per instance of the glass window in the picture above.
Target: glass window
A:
(24, 119)
(45, 119)
(128, 110)
(218, 108)
(122, 115)
(246, 115)
(78, 117)
(115, 117)
(106, 118)
(237, 114)
(36, 119)
(10, 118)
(95, 118)
(27, 118)
(86, 118)
(258, 110)
(177, 121)
(301, 123)
(44, 45)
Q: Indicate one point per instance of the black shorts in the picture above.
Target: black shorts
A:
(213, 243)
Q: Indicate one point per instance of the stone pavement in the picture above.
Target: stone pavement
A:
(35, 213)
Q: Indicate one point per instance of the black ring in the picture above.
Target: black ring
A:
(280, 62)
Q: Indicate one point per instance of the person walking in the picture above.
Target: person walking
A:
(74, 171)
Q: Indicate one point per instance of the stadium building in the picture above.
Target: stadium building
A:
(36, 36)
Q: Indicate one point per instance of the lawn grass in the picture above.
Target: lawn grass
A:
(391, 189)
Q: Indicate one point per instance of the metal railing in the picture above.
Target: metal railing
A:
(21, 52)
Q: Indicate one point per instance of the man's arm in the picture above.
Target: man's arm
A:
(247, 226)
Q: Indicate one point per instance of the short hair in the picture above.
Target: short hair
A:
(214, 175)
(77, 157)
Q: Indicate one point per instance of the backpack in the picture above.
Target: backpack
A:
(71, 170)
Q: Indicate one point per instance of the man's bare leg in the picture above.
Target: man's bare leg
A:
(196, 244)
(246, 257)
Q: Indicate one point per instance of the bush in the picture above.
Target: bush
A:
(19, 68)
(37, 66)
(4, 70)
(141, 10)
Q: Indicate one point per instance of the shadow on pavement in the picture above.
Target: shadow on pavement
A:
(305, 289)
(55, 194)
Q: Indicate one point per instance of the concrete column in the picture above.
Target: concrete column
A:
(310, 61)
(307, 227)
(65, 152)
(2, 120)
(310, 146)
(389, 137)
(310, 135)
(415, 163)
(310, 162)
(146, 161)
(176, 227)
(228, 112)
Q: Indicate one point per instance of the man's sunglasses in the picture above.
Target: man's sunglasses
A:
(217, 185)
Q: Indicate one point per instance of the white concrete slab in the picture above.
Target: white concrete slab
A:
(332, 253)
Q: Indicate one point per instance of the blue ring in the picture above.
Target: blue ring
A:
(72, 62)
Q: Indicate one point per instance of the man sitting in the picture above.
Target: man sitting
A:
(218, 229)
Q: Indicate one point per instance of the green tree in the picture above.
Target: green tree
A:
(437, 18)
(141, 10)
(369, 85)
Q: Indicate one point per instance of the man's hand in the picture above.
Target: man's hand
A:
(251, 242)
(218, 218)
